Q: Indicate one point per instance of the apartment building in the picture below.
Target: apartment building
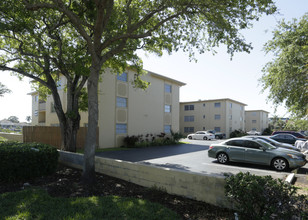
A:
(221, 115)
(256, 120)
(123, 109)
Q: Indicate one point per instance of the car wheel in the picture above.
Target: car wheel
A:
(222, 158)
(280, 164)
(205, 138)
(189, 137)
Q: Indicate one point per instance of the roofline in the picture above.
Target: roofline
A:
(212, 100)
(166, 78)
(32, 93)
(260, 110)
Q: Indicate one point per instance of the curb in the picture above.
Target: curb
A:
(290, 178)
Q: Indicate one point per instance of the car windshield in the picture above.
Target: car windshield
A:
(265, 144)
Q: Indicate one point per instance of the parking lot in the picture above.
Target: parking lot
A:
(191, 157)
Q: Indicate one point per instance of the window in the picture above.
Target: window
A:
(254, 113)
(52, 107)
(252, 145)
(189, 118)
(230, 105)
(167, 129)
(217, 105)
(168, 88)
(217, 129)
(189, 107)
(167, 108)
(203, 104)
(36, 98)
(203, 116)
(217, 117)
(230, 117)
(122, 77)
(189, 129)
(238, 143)
(254, 121)
(59, 85)
(121, 102)
(121, 128)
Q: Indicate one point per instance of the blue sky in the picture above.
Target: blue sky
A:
(212, 77)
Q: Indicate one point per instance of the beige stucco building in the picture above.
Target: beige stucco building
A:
(221, 115)
(256, 120)
(123, 109)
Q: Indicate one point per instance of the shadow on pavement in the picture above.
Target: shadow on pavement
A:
(140, 154)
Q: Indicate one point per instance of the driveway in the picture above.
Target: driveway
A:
(189, 157)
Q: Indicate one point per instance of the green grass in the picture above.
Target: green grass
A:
(37, 204)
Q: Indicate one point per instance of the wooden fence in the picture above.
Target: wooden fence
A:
(52, 136)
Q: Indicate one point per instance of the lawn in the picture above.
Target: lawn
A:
(37, 204)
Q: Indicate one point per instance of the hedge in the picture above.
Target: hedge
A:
(22, 161)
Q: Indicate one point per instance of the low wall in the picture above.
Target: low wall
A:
(206, 188)
(11, 136)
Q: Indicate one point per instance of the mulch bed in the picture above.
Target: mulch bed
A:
(66, 183)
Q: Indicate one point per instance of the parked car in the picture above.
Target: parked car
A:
(256, 151)
(253, 132)
(275, 143)
(294, 133)
(218, 135)
(286, 138)
(201, 135)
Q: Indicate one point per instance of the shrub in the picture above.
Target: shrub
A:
(267, 131)
(152, 140)
(20, 161)
(257, 197)
(237, 133)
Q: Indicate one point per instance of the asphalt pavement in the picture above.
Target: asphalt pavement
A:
(190, 157)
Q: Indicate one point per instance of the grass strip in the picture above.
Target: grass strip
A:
(37, 204)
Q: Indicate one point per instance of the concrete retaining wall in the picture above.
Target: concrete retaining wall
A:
(11, 136)
(206, 188)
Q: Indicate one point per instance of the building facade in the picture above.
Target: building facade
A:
(256, 120)
(221, 115)
(123, 109)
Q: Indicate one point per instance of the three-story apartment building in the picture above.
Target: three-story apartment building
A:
(123, 109)
(221, 115)
(256, 120)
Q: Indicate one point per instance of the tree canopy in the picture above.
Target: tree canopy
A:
(286, 76)
(113, 30)
(40, 45)
(3, 89)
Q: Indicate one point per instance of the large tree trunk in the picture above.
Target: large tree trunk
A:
(88, 176)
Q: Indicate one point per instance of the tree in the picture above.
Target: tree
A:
(114, 29)
(297, 124)
(3, 89)
(13, 119)
(286, 76)
(40, 46)
(28, 118)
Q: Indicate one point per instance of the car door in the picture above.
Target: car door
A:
(290, 139)
(280, 138)
(255, 154)
(199, 135)
(235, 150)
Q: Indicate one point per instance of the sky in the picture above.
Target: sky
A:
(211, 77)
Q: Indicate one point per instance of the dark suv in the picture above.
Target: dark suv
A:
(294, 133)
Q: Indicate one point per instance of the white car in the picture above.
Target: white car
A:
(253, 132)
(201, 135)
